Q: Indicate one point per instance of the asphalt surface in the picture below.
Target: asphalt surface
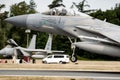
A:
(97, 75)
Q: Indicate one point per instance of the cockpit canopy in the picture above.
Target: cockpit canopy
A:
(64, 12)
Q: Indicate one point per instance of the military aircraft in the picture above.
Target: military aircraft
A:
(13, 49)
(96, 35)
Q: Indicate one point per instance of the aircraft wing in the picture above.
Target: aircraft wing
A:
(111, 33)
(32, 50)
(35, 50)
(114, 35)
(39, 50)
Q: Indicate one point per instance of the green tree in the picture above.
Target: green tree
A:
(2, 6)
(81, 6)
(32, 7)
(117, 10)
(56, 3)
(3, 27)
(99, 14)
(112, 16)
(23, 8)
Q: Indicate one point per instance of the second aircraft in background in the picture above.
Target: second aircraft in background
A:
(14, 50)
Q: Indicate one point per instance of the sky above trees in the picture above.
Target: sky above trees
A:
(42, 5)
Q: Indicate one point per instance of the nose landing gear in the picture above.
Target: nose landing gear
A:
(73, 57)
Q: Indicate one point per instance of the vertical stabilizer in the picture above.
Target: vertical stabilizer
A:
(49, 44)
(32, 43)
(12, 43)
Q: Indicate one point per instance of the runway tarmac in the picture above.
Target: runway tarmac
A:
(80, 74)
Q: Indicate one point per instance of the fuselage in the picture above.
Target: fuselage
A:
(67, 25)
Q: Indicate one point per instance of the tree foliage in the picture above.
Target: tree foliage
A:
(3, 26)
(23, 8)
(2, 6)
(56, 3)
(111, 16)
(32, 7)
(81, 6)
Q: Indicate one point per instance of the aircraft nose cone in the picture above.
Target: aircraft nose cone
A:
(18, 20)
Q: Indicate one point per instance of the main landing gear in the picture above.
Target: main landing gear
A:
(73, 57)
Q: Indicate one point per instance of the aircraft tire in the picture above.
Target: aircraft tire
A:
(73, 58)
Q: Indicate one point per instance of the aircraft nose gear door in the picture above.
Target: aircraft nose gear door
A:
(73, 57)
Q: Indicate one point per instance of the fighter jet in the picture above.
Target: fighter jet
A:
(14, 50)
(96, 35)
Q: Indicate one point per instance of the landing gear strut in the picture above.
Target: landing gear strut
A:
(73, 57)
